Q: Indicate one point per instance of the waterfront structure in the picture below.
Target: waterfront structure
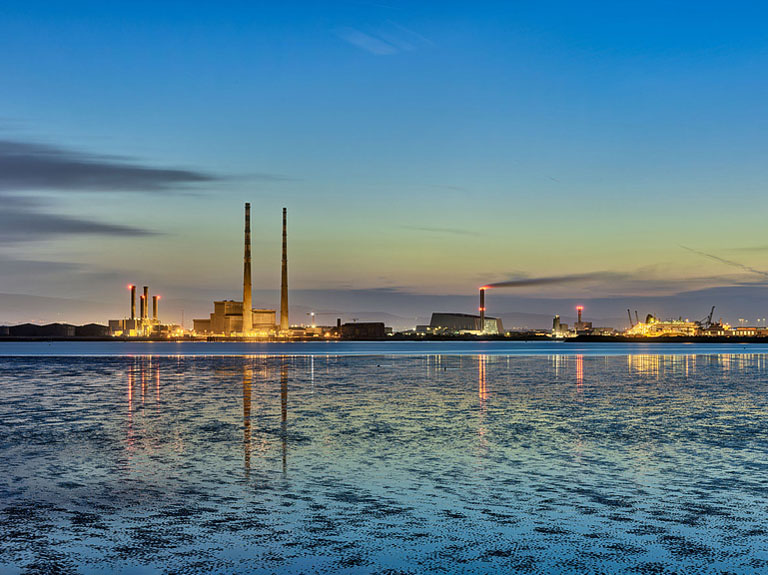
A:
(654, 327)
(463, 323)
(581, 326)
(143, 326)
(559, 329)
(55, 330)
(363, 330)
(231, 318)
(227, 319)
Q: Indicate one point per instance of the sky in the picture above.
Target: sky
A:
(422, 150)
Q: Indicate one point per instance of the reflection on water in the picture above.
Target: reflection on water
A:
(482, 362)
(579, 370)
(423, 464)
(659, 365)
(284, 410)
(247, 381)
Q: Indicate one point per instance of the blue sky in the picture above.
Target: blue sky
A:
(422, 149)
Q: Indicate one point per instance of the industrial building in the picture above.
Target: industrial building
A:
(559, 329)
(143, 325)
(363, 330)
(463, 323)
(445, 323)
(232, 318)
(581, 326)
(227, 319)
(55, 330)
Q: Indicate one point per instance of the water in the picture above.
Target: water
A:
(549, 458)
(418, 348)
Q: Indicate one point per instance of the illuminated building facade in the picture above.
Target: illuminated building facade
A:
(143, 326)
(227, 319)
(654, 327)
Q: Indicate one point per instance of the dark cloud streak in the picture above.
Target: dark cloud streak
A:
(23, 226)
(34, 166)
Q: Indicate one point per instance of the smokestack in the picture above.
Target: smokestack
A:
(155, 299)
(247, 289)
(133, 301)
(578, 311)
(482, 309)
(141, 306)
(145, 309)
(284, 281)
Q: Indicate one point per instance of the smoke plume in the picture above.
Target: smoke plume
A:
(554, 280)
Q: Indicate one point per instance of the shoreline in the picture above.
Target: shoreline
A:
(403, 339)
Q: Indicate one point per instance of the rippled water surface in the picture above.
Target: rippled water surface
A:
(385, 463)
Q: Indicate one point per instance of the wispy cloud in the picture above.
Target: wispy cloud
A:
(727, 262)
(390, 38)
(402, 37)
(366, 41)
(35, 166)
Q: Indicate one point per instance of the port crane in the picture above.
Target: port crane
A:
(707, 321)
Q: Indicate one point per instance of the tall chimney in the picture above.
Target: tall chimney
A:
(247, 288)
(578, 311)
(482, 309)
(155, 299)
(133, 301)
(145, 309)
(142, 303)
(284, 326)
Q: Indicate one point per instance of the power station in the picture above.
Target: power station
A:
(143, 326)
(232, 318)
(239, 319)
(464, 323)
